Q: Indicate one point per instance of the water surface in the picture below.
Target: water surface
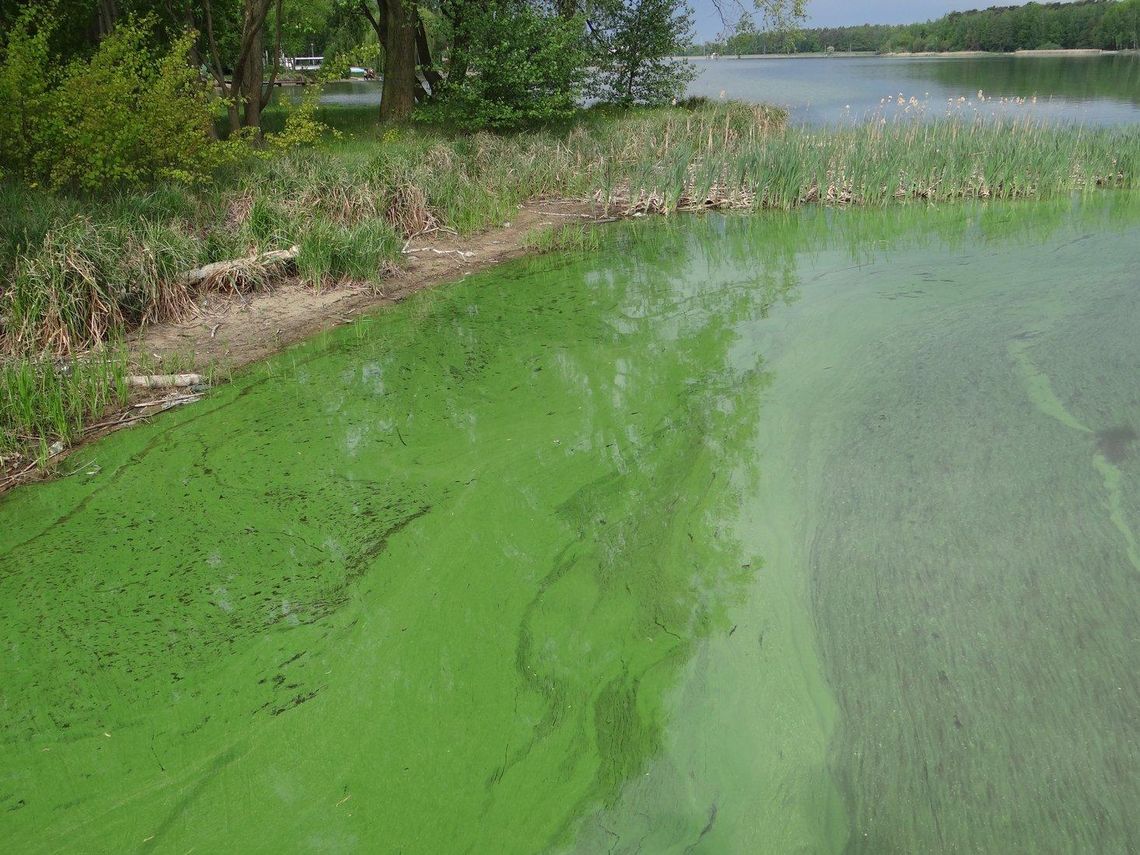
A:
(811, 532)
(818, 90)
(1093, 90)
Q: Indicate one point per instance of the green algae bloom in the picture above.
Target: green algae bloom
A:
(803, 532)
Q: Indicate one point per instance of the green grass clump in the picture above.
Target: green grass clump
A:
(42, 402)
(334, 253)
(564, 238)
(87, 281)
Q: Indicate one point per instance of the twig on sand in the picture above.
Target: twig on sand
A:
(167, 403)
(458, 252)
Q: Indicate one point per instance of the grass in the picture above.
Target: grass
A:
(78, 272)
(563, 238)
(44, 402)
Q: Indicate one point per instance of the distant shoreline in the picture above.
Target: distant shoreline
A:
(964, 54)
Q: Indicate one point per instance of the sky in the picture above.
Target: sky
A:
(834, 13)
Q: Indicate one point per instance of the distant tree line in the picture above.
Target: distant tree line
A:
(1101, 24)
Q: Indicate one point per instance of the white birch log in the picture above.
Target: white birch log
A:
(274, 258)
(164, 381)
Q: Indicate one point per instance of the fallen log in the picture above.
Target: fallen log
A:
(241, 266)
(164, 381)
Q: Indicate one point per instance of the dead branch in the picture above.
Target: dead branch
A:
(238, 267)
(164, 381)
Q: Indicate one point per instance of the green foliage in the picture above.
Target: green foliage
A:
(25, 81)
(130, 115)
(636, 40)
(302, 127)
(527, 68)
(1121, 25)
(335, 67)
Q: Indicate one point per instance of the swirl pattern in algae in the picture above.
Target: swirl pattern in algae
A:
(789, 533)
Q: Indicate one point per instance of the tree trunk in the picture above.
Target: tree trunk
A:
(242, 92)
(108, 15)
(275, 67)
(399, 93)
(252, 79)
(423, 49)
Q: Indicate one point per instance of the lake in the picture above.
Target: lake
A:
(1094, 90)
(788, 532)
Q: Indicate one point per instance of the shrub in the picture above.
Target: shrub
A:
(129, 115)
(25, 80)
(302, 127)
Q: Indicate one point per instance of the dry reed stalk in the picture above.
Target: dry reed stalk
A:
(408, 211)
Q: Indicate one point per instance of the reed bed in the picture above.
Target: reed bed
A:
(45, 405)
(76, 273)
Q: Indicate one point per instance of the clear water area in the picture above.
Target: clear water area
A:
(1092, 90)
(810, 532)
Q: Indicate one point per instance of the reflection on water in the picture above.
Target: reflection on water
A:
(1095, 90)
(775, 533)
(342, 93)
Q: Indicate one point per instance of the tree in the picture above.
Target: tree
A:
(1121, 25)
(778, 17)
(636, 41)
(396, 23)
(244, 93)
(527, 66)
(509, 62)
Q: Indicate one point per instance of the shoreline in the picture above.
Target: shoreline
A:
(236, 333)
(950, 54)
(246, 316)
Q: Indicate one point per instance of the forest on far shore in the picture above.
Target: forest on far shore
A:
(1098, 24)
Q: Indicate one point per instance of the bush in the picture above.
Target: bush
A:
(129, 115)
(302, 127)
(25, 80)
